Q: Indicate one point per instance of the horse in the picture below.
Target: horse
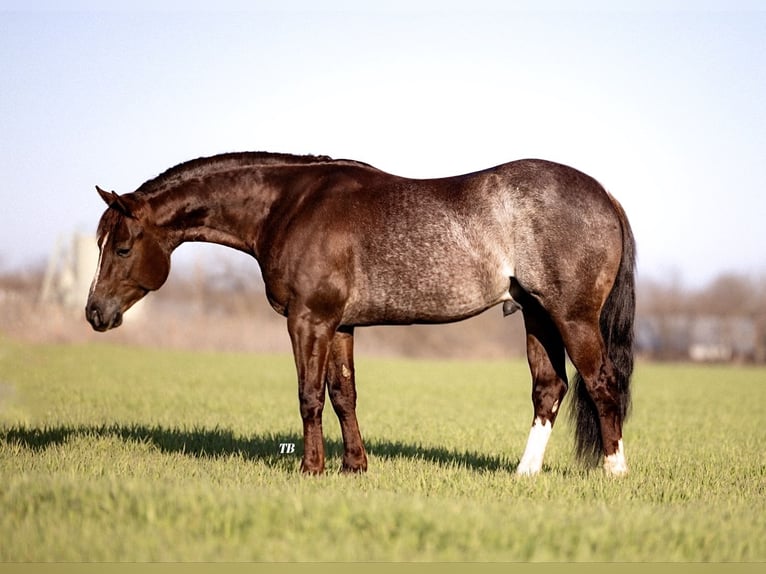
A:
(343, 245)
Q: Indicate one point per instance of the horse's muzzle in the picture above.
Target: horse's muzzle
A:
(102, 320)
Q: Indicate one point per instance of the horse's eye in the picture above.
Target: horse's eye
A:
(123, 251)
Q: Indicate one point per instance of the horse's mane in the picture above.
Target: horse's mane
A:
(203, 166)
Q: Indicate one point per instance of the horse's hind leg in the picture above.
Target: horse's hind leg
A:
(342, 388)
(587, 350)
(545, 354)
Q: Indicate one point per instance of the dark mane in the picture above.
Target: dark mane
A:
(203, 166)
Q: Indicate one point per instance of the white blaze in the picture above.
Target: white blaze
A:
(101, 246)
(532, 461)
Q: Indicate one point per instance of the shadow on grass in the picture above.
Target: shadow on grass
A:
(219, 442)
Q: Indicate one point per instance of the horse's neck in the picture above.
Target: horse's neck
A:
(227, 209)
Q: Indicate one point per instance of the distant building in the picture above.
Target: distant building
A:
(703, 339)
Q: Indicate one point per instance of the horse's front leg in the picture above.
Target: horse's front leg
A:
(342, 387)
(311, 338)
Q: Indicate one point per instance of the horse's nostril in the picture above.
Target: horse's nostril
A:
(94, 317)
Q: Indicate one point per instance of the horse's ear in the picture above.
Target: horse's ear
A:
(114, 200)
(105, 195)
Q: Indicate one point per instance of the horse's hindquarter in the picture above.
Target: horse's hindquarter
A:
(567, 234)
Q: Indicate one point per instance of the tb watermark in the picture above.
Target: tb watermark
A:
(286, 448)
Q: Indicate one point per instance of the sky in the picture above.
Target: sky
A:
(663, 102)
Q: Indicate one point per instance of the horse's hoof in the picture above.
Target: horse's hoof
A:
(312, 470)
(353, 468)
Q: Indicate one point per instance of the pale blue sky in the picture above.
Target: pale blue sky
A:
(664, 104)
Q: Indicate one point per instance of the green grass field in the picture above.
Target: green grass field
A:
(122, 454)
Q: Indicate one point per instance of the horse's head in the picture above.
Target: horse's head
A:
(133, 260)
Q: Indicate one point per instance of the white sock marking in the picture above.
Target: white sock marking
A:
(615, 464)
(532, 461)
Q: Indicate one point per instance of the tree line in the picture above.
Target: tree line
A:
(723, 320)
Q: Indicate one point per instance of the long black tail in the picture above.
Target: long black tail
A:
(616, 324)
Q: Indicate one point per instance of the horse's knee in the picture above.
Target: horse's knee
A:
(311, 405)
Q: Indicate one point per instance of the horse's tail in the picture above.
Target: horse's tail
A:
(616, 324)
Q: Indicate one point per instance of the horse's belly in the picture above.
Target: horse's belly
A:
(440, 268)
(430, 295)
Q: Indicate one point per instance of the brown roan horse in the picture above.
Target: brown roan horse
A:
(342, 244)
